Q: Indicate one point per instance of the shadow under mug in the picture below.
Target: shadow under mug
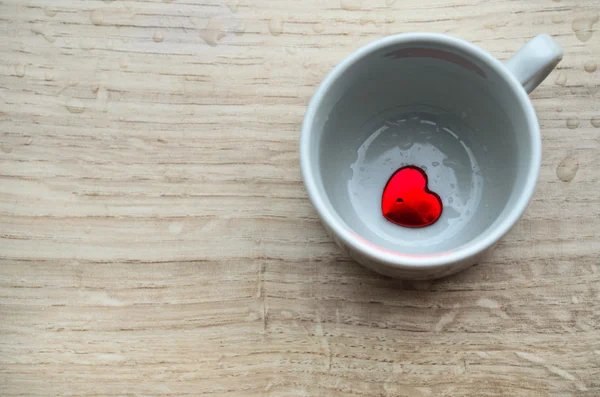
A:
(446, 106)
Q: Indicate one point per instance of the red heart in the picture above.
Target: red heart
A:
(408, 202)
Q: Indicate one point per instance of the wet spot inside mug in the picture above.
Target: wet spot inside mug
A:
(425, 140)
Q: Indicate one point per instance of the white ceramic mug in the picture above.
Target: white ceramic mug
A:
(441, 104)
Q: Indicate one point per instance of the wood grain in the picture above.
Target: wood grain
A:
(156, 239)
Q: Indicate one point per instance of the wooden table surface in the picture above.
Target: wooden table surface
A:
(156, 238)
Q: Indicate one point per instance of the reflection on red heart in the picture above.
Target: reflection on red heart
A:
(408, 202)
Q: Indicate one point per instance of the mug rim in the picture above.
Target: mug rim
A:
(405, 260)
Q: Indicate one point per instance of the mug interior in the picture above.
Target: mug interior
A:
(440, 105)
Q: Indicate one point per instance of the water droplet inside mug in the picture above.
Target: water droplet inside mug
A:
(451, 163)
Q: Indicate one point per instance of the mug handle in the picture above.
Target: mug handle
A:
(535, 60)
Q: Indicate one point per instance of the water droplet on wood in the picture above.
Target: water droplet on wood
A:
(318, 27)
(158, 37)
(87, 44)
(567, 169)
(123, 63)
(595, 121)
(583, 26)
(6, 148)
(590, 66)
(37, 29)
(351, 5)
(74, 105)
(561, 79)
(97, 17)
(572, 123)
(276, 26)
(212, 32)
(366, 19)
(29, 141)
(176, 227)
(389, 2)
(20, 70)
(233, 5)
(49, 12)
(239, 29)
(49, 76)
